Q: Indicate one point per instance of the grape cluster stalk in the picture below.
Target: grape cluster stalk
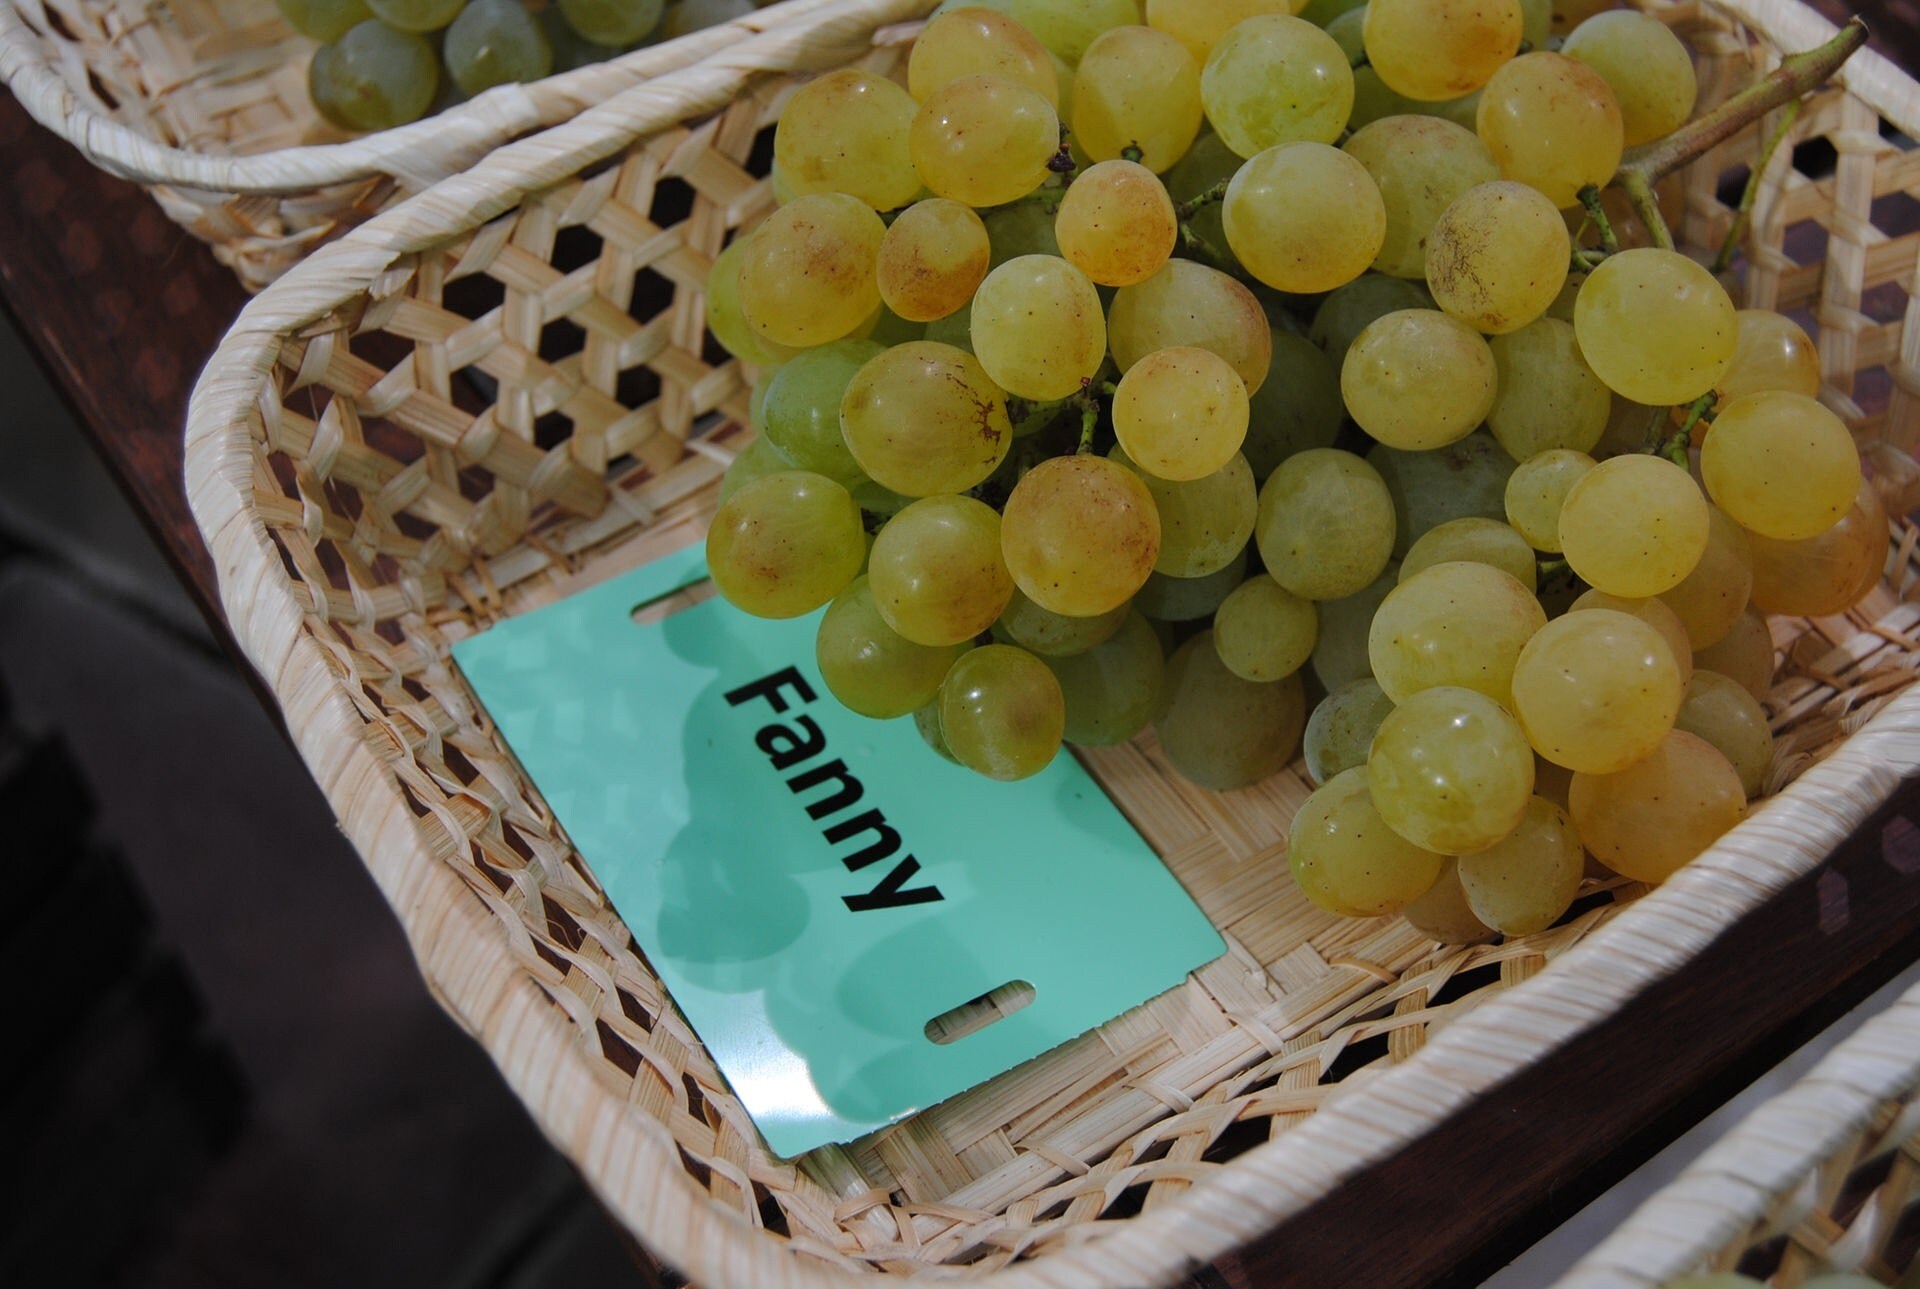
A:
(1318, 383)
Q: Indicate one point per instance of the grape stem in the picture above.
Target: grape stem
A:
(1132, 152)
(1743, 214)
(1675, 449)
(1200, 201)
(1590, 202)
(1089, 422)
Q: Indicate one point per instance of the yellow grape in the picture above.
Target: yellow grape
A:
(1188, 303)
(1080, 534)
(871, 668)
(1431, 50)
(1634, 525)
(1304, 217)
(1181, 414)
(1780, 465)
(1037, 327)
(1552, 123)
(1498, 256)
(975, 42)
(936, 571)
(1263, 631)
(1197, 24)
(1326, 524)
(726, 319)
(1596, 690)
(1711, 598)
(1136, 88)
(1418, 379)
(1745, 653)
(1347, 860)
(1655, 326)
(1828, 574)
(1276, 79)
(925, 418)
(1116, 223)
(1536, 491)
(846, 132)
(1549, 398)
(1655, 613)
(1204, 522)
(1450, 770)
(1720, 710)
(1476, 540)
(1649, 69)
(806, 276)
(1647, 819)
(1002, 713)
(931, 260)
(1770, 352)
(785, 544)
(984, 140)
(1050, 634)
(1460, 624)
(1524, 882)
(1443, 914)
(1421, 164)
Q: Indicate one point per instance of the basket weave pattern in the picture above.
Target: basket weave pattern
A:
(503, 391)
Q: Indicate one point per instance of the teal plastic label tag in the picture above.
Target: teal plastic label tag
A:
(822, 895)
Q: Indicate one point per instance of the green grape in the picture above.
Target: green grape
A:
(785, 544)
(1204, 522)
(1220, 731)
(1198, 24)
(956, 329)
(1828, 574)
(1080, 534)
(1263, 631)
(1634, 525)
(1421, 164)
(1478, 541)
(1024, 228)
(1304, 217)
(1524, 882)
(1347, 311)
(1443, 913)
(696, 15)
(1450, 770)
(1460, 624)
(926, 723)
(1340, 652)
(937, 574)
(324, 20)
(1648, 68)
(1321, 13)
(1744, 653)
(1653, 612)
(1711, 598)
(1647, 819)
(1373, 99)
(1298, 407)
(1429, 488)
(1347, 860)
(1113, 689)
(1655, 326)
(1276, 79)
(1116, 223)
(728, 321)
(1326, 524)
(1418, 379)
(373, 78)
(871, 668)
(984, 140)
(1207, 164)
(1002, 713)
(571, 50)
(1433, 50)
(978, 42)
(925, 418)
(1188, 303)
(1498, 256)
(846, 132)
(1054, 635)
(1180, 413)
(1136, 88)
(1770, 351)
(806, 276)
(1552, 123)
(1548, 398)
(1723, 712)
(801, 413)
(1537, 490)
(1596, 690)
(1188, 599)
(1069, 27)
(757, 458)
(931, 259)
(1342, 727)
(1780, 465)
(613, 23)
(418, 16)
(1037, 327)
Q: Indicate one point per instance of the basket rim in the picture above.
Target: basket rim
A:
(419, 153)
(631, 1159)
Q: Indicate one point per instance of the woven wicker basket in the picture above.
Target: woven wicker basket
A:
(206, 101)
(367, 507)
(1817, 1179)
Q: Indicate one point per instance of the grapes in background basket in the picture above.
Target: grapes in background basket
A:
(1223, 732)
(1002, 713)
(1112, 689)
(1342, 727)
(1634, 525)
(1478, 541)
(1325, 527)
(1443, 914)
(418, 16)
(1828, 574)
(1347, 860)
(1116, 223)
(1648, 68)
(1537, 491)
(931, 260)
(1189, 599)
(1450, 770)
(1418, 379)
(1457, 624)
(1181, 413)
(612, 23)
(1744, 653)
(1525, 881)
(1204, 522)
(785, 544)
(871, 668)
(1421, 164)
(696, 15)
(801, 411)
(324, 20)
(1655, 613)
(1080, 534)
(1263, 631)
(1340, 652)
(984, 140)
(807, 275)
(1429, 488)
(1037, 327)
(1780, 465)
(846, 131)
(925, 418)
(1655, 326)
(1720, 710)
(571, 50)
(1276, 79)
(1296, 408)
(1711, 598)
(1549, 397)
(1070, 28)
(373, 78)
(973, 41)
(495, 42)
(1054, 635)
(1304, 217)
(1349, 310)
(1199, 24)
(1770, 352)
(1647, 819)
(1137, 88)
(1596, 690)
(937, 573)
(1188, 303)
(1552, 123)
(1497, 256)
(728, 321)
(1434, 50)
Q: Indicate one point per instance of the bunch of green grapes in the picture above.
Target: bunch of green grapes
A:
(383, 63)
(1122, 370)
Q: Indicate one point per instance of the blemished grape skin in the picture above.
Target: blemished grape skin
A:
(846, 132)
(785, 544)
(1080, 534)
(1497, 256)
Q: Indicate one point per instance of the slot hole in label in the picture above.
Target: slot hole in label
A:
(976, 1014)
(661, 607)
